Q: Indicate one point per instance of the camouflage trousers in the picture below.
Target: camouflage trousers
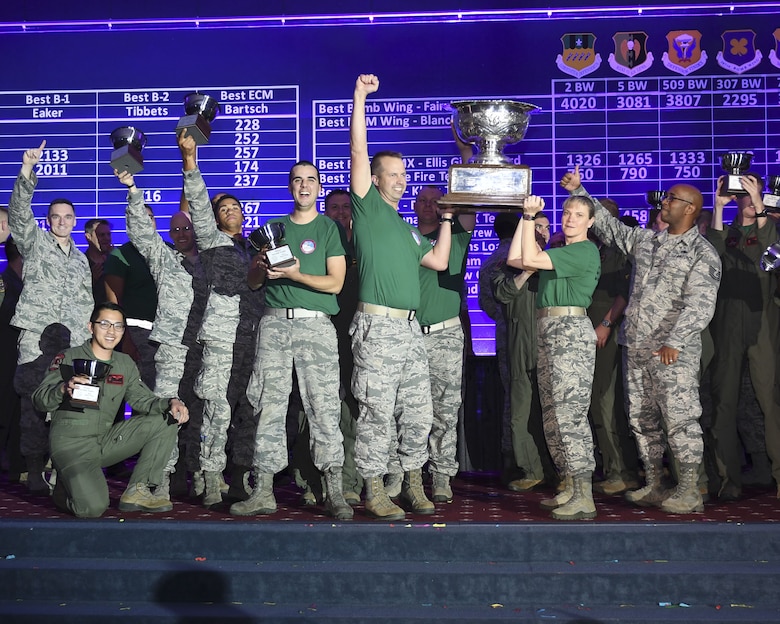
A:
(306, 474)
(309, 345)
(664, 398)
(146, 353)
(445, 362)
(392, 386)
(567, 351)
(35, 354)
(176, 374)
(228, 417)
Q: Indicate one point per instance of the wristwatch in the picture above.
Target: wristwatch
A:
(607, 323)
(529, 217)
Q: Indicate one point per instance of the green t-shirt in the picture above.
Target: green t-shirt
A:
(312, 243)
(575, 274)
(389, 251)
(441, 292)
(139, 297)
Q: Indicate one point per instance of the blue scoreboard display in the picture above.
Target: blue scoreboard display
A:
(637, 104)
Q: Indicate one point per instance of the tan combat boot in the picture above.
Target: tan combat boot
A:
(654, 493)
(413, 493)
(378, 503)
(335, 504)
(686, 497)
(441, 492)
(262, 501)
(137, 497)
(563, 497)
(580, 506)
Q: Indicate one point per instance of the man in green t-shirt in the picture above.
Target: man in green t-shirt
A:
(390, 380)
(296, 333)
(441, 297)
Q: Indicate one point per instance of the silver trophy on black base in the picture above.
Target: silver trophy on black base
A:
(88, 394)
(490, 181)
(270, 239)
(201, 110)
(128, 143)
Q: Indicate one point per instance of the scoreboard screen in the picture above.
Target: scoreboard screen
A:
(637, 103)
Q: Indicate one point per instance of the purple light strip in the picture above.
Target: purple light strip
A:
(280, 21)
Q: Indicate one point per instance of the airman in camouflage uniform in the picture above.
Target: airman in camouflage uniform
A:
(439, 318)
(677, 273)
(176, 275)
(566, 340)
(391, 367)
(296, 333)
(229, 329)
(54, 306)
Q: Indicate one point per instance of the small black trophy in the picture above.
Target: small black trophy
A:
(128, 143)
(655, 198)
(735, 164)
(88, 394)
(201, 110)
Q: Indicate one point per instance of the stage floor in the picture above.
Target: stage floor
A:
(479, 498)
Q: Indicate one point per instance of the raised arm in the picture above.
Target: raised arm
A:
(21, 220)
(438, 258)
(718, 205)
(531, 257)
(467, 220)
(360, 166)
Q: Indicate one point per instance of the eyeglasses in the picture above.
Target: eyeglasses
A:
(106, 325)
(668, 196)
(185, 228)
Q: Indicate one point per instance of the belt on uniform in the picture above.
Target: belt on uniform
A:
(294, 313)
(561, 311)
(370, 308)
(437, 327)
(139, 323)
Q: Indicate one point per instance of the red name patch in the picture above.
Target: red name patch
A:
(55, 363)
(116, 380)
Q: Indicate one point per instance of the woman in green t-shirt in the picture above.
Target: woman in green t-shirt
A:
(567, 344)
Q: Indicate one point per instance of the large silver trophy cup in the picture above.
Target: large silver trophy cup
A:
(735, 164)
(128, 143)
(201, 110)
(489, 181)
(270, 239)
(88, 394)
